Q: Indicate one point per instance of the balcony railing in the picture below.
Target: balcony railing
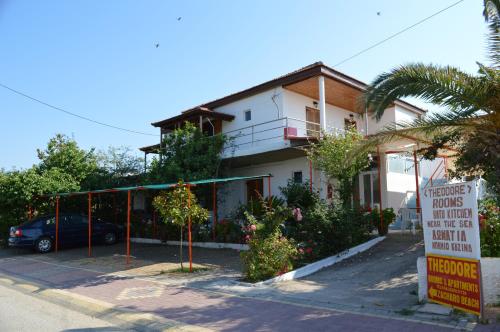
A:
(275, 132)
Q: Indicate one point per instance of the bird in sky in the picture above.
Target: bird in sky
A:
(378, 13)
(157, 45)
(179, 18)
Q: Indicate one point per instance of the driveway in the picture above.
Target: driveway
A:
(383, 278)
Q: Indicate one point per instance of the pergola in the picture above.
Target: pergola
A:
(411, 145)
(129, 190)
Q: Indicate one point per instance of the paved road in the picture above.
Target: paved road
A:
(20, 312)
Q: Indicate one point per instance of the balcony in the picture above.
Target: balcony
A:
(272, 135)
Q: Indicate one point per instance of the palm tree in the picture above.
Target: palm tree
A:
(470, 122)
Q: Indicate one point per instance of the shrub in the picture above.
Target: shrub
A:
(229, 231)
(270, 253)
(374, 217)
(489, 219)
(299, 195)
(268, 257)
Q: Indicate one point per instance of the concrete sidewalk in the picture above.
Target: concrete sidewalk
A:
(180, 307)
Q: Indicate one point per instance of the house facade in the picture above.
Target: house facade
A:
(271, 125)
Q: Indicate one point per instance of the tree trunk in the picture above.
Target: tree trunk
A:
(180, 253)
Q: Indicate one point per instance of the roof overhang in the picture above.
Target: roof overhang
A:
(193, 114)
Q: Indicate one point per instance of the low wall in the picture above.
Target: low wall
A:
(490, 272)
(210, 245)
(321, 264)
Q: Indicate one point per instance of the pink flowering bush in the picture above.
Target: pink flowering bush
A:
(270, 253)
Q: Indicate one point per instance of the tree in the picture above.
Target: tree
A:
(188, 154)
(178, 206)
(470, 123)
(331, 154)
(64, 154)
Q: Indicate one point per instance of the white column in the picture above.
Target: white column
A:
(322, 103)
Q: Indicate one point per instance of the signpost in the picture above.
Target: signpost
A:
(451, 236)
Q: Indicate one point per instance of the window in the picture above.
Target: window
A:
(312, 124)
(248, 115)
(297, 177)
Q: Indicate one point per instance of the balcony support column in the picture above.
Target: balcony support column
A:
(322, 103)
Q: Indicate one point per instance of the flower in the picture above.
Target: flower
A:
(309, 250)
(301, 251)
(297, 214)
(252, 228)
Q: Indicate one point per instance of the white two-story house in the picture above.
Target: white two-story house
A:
(273, 122)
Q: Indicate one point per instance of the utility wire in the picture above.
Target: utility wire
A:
(74, 114)
(398, 33)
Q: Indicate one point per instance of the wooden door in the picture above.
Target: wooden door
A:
(255, 189)
(312, 125)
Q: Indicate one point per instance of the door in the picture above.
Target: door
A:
(312, 124)
(75, 230)
(255, 189)
(369, 189)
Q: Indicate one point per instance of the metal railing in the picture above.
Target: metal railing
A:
(276, 130)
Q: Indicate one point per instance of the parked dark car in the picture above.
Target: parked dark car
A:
(40, 233)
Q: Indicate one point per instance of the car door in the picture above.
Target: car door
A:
(75, 230)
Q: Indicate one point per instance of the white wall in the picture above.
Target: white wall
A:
(233, 193)
(265, 106)
(294, 106)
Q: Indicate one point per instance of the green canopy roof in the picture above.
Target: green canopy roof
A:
(160, 186)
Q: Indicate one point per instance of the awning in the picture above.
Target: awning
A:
(159, 186)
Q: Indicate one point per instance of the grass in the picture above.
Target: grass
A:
(185, 270)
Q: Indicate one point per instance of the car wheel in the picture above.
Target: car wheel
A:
(44, 245)
(109, 238)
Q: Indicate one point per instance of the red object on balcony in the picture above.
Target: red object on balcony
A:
(290, 132)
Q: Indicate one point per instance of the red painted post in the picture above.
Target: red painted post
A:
(415, 164)
(128, 226)
(189, 230)
(90, 223)
(379, 166)
(310, 175)
(269, 190)
(214, 209)
(57, 223)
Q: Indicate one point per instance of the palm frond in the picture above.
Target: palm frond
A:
(491, 15)
(445, 86)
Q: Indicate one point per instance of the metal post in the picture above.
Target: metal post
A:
(415, 164)
(214, 209)
(128, 226)
(90, 223)
(380, 189)
(57, 223)
(189, 230)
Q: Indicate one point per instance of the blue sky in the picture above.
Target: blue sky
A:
(98, 58)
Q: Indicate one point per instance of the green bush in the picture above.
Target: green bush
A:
(489, 218)
(228, 231)
(382, 226)
(270, 253)
(299, 195)
(268, 257)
